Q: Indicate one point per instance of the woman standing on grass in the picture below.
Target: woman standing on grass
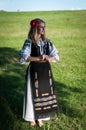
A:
(39, 99)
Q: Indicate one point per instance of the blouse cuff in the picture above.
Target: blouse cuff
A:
(56, 58)
(22, 61)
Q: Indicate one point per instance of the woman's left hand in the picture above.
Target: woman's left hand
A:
(46, 57)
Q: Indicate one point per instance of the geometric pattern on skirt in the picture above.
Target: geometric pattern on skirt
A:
(43, 90)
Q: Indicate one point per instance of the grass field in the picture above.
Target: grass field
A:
(67, 30)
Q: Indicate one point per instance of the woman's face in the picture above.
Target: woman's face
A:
(41, 29)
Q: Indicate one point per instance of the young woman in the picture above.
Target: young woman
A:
(39, 99)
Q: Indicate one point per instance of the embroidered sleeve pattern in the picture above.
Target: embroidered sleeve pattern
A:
(53, 52)
(25, 51)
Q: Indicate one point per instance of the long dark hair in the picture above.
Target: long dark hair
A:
(34, 29)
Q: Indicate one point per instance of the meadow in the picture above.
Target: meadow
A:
(67, 30)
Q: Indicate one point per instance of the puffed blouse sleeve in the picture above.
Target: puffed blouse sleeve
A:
(53, 51)
(25, 51)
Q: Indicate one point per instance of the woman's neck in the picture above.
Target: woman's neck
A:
(37, 37)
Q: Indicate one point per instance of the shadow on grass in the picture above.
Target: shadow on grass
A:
(12, 87)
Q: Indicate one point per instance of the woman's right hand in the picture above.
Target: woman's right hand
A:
(45, 57)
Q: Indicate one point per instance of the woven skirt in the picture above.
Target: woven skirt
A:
(42, 91)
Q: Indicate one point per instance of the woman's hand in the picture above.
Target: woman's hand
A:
(47, 58)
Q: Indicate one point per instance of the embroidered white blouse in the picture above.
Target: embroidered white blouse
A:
(25, 52)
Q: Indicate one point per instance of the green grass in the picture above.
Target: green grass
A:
(67, 30)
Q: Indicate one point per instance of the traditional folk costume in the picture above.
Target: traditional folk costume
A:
(39, 99)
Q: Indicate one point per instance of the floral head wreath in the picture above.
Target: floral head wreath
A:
(34, 23)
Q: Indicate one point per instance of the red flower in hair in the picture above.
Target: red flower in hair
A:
(34, 23)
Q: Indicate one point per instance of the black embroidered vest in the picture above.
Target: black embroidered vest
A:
(35, 49)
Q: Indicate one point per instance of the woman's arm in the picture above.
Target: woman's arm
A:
(30, 58)
(40, 58)
(52, 58)
(48, 58)
(53, 53)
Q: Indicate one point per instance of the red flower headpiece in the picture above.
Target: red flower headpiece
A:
(34, 23)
